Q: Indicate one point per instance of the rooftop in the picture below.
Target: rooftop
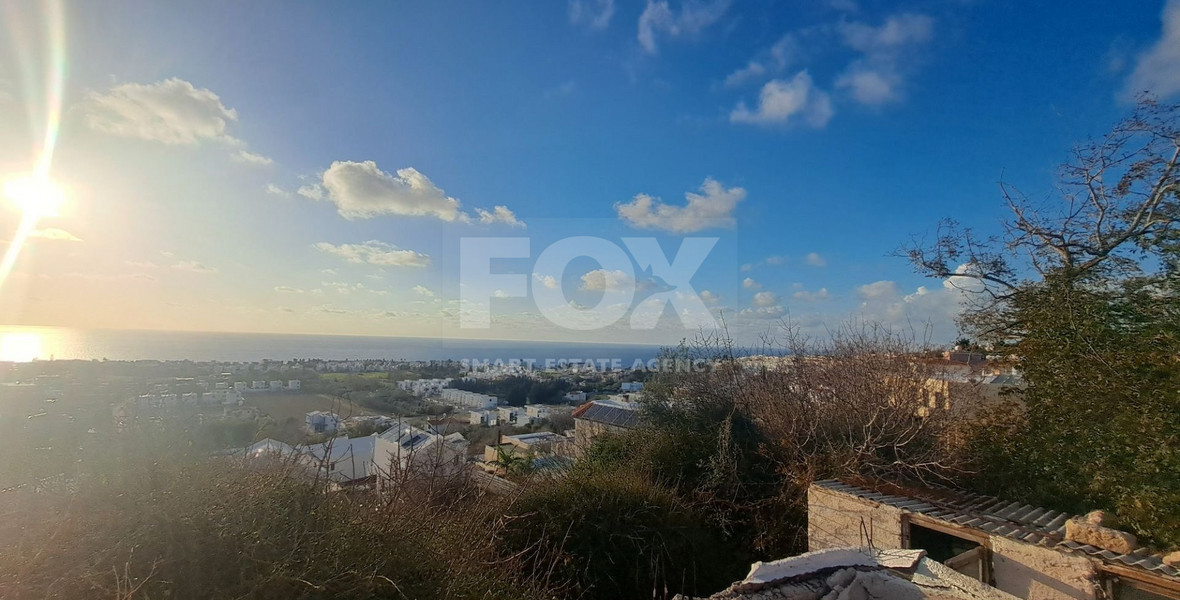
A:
(1013, 520)
(608, 414)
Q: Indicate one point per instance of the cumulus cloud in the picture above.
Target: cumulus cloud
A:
(712, 207)
(172, 111)
(815, 260)
(498, 214)
(816, 296)
(878, 76)
(1157, 70)
(749, 284)
(602, 280)
(595, 14)
(660, 19)
(53, 233)
(275, 190)
(548, 281)
(251, 158)
(375, 253)
(422, 290)
(786, 101)
(710, 297)
(878, 290)
(192, 266)
(360, 190)
(764, 299)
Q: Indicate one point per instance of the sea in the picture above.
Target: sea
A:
(24, 344)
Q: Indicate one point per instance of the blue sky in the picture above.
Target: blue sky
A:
(833, 132)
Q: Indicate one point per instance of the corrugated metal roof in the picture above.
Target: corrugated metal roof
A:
(610, 415)
(1013, 520)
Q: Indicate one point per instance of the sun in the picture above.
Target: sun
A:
(36, 197)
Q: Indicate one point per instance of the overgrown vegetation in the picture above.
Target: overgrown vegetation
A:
(136, 523)
(1085, 294)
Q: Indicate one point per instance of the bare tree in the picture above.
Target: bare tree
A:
(1117, 204)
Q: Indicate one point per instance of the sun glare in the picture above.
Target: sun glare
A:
(19, 347)
(36, 197)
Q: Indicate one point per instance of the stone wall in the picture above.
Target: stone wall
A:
(838, 520)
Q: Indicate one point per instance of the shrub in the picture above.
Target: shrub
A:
(616, 535)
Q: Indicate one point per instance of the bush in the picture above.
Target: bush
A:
(167, 527)
(615, 535)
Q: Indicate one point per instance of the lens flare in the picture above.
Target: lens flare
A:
(35, 195)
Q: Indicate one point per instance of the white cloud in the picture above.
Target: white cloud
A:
(764, 299)
(782, 101)
(284, 289)
(375, 253)
(877, 77)
(775, 261)
(870, 85)
(601, 280)
(694, 16)
(816, 296)
(360, 190)
(749, 284)
(815, 260)
(752, 70)
(498, 214)
(311, 191)
(897, 31)
(1158, 69)
(192, 266)
(275, 190)
(746, 268)
(764, 312)
(251, 158)
(500, 294)
(785, 52)
(595, 14)
(878, 290)
(710, 297)
(53, 233)
(172, 111)
(712, 207)
(422, 290)
(548, 281)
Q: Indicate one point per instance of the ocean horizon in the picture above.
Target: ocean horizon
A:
(27, 343)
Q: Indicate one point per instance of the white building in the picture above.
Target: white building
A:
(536, 412)
(408, 449)
(322, 421)
(511, 415)
(240, 386)
(259, 386)
(631, 386)
(424, 387)
(294, 384)
(487, 418)
(276, 386)
(468, 400)
(575, 397)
